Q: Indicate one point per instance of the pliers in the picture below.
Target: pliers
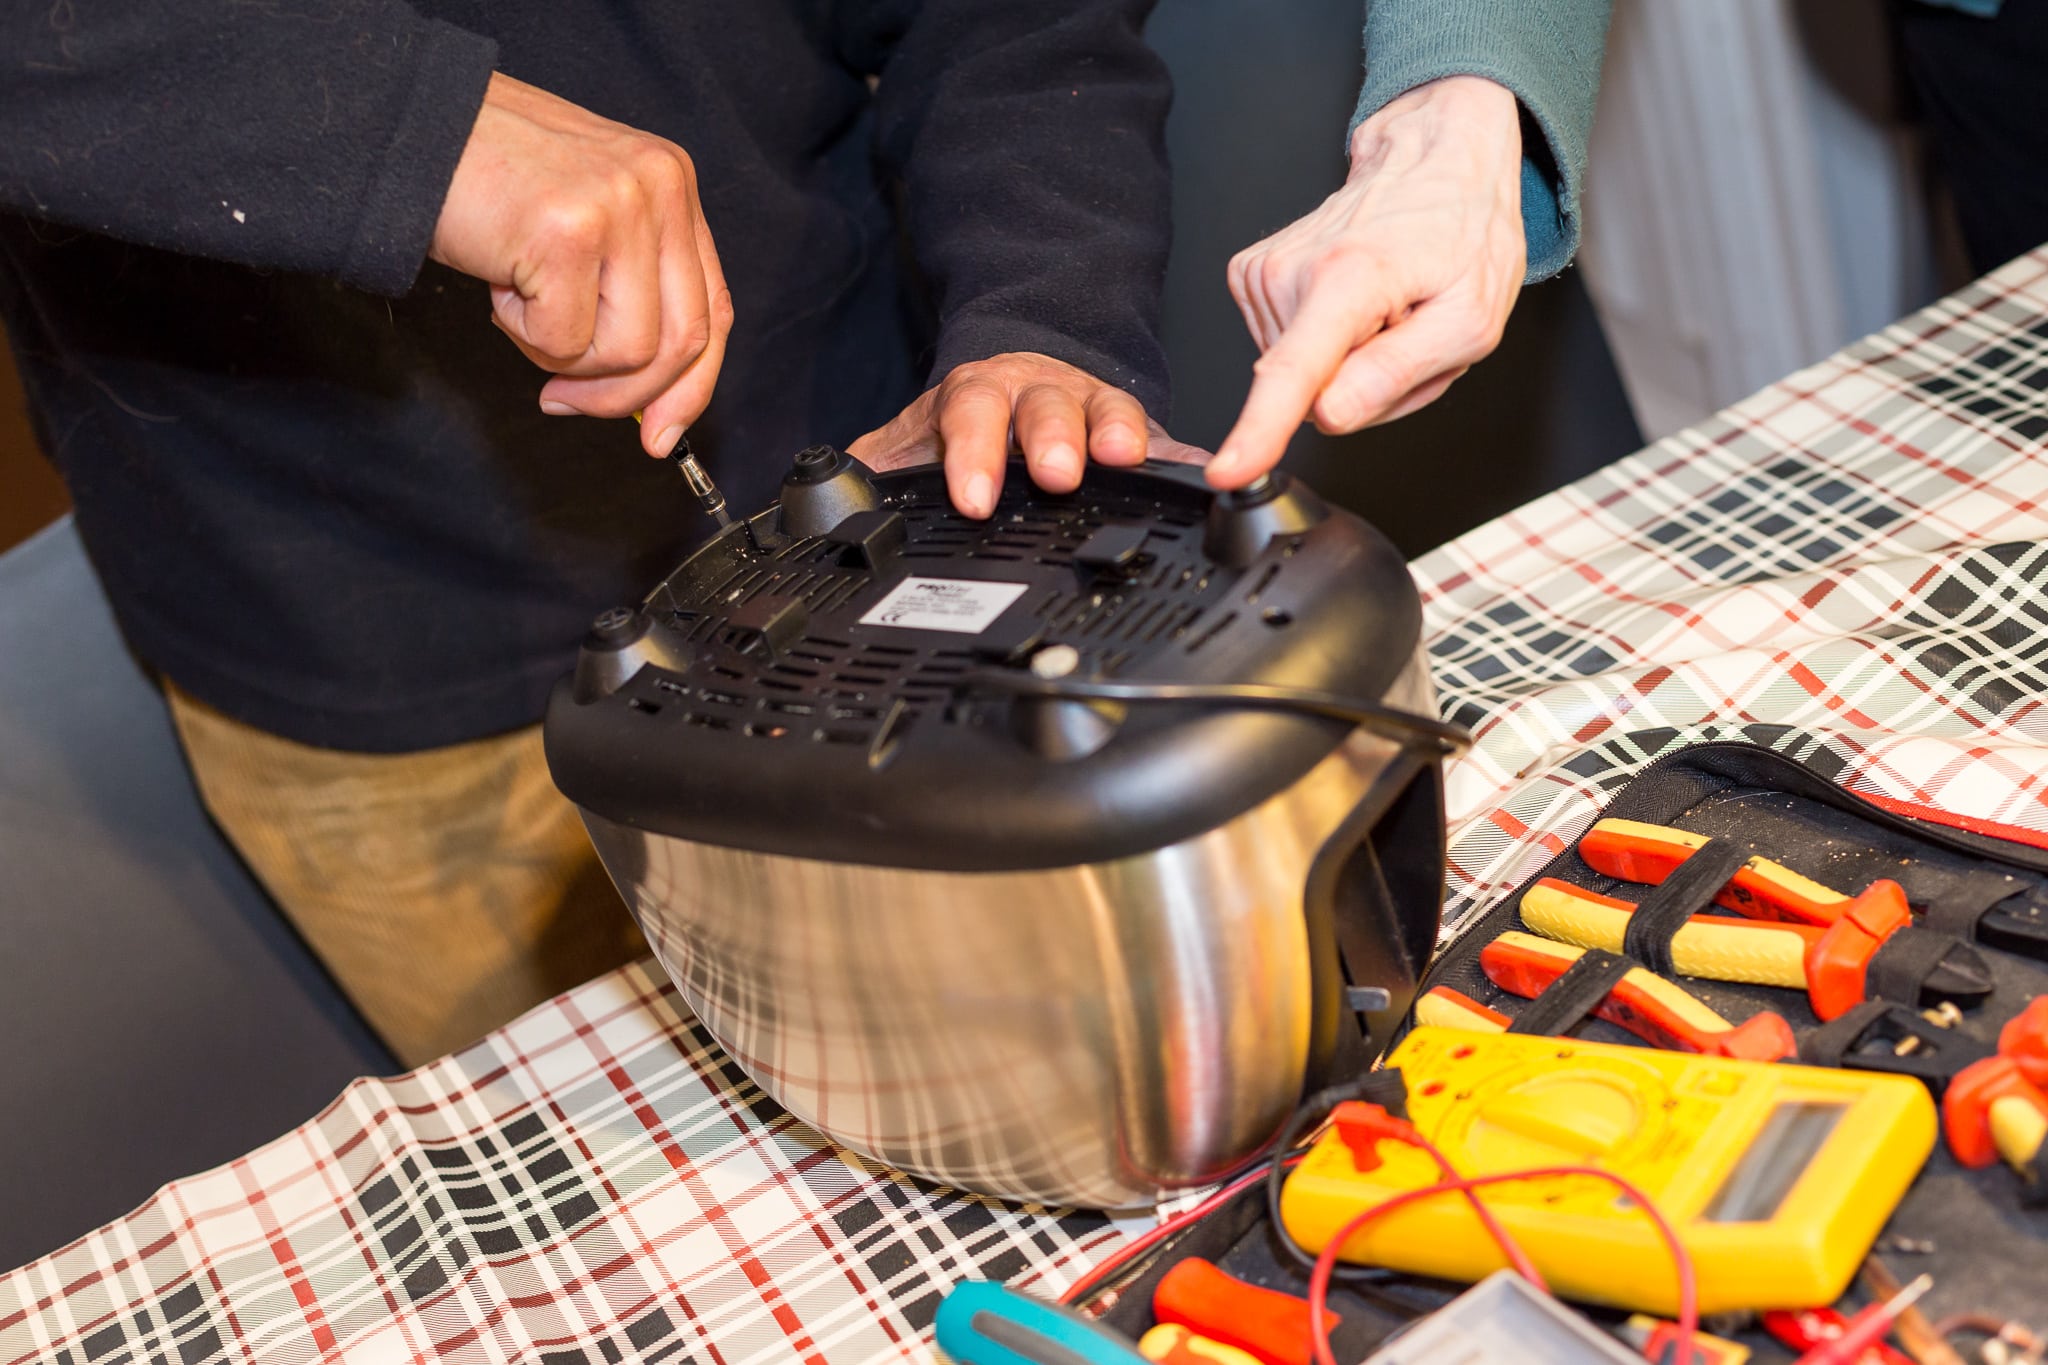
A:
(1798, 934)
(1638, 852)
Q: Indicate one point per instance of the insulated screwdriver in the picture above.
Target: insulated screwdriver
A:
(1660, 1012)
(981, 1323)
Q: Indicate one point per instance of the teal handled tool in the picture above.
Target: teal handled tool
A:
(982, 1323)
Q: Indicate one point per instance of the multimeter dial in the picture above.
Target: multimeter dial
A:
(1598, 1110)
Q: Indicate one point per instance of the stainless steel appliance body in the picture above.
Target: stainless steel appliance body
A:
(987, 1011)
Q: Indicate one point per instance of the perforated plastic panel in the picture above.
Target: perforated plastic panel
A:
(840, 680)
(775, 693)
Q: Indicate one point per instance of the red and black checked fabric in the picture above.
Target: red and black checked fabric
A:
(1851, 566)
(596, 1182)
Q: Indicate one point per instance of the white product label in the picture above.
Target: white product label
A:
(967, 606)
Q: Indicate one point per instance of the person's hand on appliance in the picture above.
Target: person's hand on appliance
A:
(601, 267)
(1369, 307)
(1059, 416)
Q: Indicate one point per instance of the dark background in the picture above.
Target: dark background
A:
(1258, 139)
(161, 1018)
(1257, 136)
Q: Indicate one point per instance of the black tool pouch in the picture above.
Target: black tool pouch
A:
(1754, 801)
(1981, 1232)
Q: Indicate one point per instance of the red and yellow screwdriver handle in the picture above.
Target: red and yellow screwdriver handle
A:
(1829, 964)
(2025, 1040)
(1659, 1012)
(1655, 1010)
(1636, 852)
(1172, 1344)
(1219, 1309)
(1991, 1110)
(1442, 1007)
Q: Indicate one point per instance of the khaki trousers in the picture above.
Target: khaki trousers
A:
(448, 891)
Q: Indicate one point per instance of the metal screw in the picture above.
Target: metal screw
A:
(1055, 661)
(1944, 1015)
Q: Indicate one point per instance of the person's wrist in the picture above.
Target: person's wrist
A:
(1470, 108)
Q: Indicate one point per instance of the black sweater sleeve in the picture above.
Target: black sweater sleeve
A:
(313, 135)
(1030, 136)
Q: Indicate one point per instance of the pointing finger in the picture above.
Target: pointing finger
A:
(1287, 379)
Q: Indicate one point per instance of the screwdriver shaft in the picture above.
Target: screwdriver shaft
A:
(700, 482)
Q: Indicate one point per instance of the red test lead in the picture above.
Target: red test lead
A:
(1867, 1328)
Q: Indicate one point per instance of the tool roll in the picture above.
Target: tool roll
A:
(1895, 943)
(1943, 995)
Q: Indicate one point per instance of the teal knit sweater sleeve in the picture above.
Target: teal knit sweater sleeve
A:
(1546, 51)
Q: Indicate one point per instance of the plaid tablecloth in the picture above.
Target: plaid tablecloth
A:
(1849, 566)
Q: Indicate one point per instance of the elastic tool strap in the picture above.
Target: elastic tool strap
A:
(1902, 963)
(1579, 990)
(1689, 889)
(1838, 1039)
(1957, 908)
(1867, 1038)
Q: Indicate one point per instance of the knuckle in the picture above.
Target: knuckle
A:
(972, 383)
(639, 350)
(1465, 317)
(721, 310)
(1347, 265)
(1276, 364)
(694, 339)
(625, 190)
(1491, 333)
(575, 223)
(1274, 273)
(1110, 401)
(654, 164)
(1045, 397)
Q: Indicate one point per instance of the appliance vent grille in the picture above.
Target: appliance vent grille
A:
(828, 688)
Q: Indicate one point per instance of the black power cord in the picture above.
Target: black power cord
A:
(1384, 1088)
(1392, 722)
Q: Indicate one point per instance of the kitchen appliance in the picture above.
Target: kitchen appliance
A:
(1048, 856)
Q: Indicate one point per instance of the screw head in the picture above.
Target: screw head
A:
(615, 623)
(814, 464)
(1055, 661)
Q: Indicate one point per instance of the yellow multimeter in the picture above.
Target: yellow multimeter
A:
(1776, 1177)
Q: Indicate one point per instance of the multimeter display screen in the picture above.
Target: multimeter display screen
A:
(1784, 1147)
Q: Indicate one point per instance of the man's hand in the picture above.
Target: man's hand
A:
(600, 265)
(1060, 417)
(1370, 306)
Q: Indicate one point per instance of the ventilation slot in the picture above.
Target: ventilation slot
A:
(1221, 625)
